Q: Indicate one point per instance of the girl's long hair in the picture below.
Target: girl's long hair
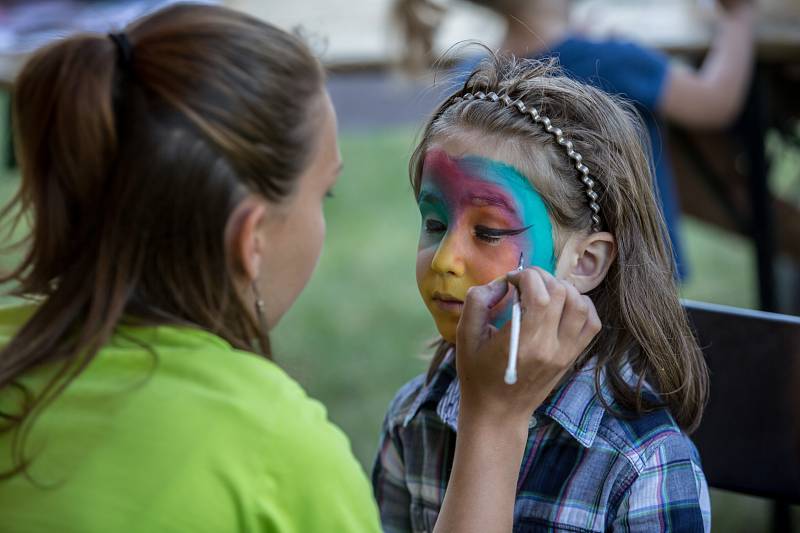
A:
(644, 325)
(130, 170)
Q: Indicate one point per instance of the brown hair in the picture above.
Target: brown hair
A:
(644, 323)
(130, 171)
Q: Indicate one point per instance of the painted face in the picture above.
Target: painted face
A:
(478, 216)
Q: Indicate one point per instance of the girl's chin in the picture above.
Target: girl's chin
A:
(447, 323)
(447, 330)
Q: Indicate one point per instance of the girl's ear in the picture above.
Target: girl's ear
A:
(585, 260)
(243, 239)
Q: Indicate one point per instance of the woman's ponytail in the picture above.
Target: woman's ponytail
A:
(63, 116)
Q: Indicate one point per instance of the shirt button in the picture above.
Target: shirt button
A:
(532, 422)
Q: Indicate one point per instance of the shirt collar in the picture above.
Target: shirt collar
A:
(435, 388)
(575, 404)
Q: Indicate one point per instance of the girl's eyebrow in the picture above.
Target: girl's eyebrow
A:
(483, 200)
(428, 197)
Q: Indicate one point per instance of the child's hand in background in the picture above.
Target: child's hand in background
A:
(558, 323)
(733, 5)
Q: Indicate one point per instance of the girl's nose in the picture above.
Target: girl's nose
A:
(449, 258)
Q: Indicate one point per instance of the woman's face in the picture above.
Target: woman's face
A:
(478, 216)
(294, 230)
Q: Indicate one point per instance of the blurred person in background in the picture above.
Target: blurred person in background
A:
(710, 97)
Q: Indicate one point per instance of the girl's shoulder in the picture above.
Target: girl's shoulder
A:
(639, 437)
(585, 406)
(405, 402)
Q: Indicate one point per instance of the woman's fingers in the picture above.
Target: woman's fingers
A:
(591, 327)
(576, 312)
(532, 290)
(474, 321)
(556, 315)
(543, 298)
(553, 312)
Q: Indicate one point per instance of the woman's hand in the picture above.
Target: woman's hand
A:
(558, 323)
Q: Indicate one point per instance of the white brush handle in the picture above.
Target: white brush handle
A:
(513, 347)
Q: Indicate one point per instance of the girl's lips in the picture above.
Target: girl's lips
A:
(447, 303)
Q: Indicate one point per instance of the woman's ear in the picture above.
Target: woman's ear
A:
(585, 260)
(242, 238)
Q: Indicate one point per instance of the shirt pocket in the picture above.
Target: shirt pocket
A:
(423, 517)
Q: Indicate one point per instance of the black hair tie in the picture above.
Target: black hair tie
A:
(124, 49)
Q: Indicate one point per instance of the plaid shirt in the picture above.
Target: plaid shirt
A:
(584, 469)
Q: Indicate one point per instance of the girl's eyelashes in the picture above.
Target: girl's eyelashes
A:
(494, 235)
(329, 193)
(434, 226)
(483, 233)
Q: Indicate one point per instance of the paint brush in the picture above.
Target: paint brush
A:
(513, 346)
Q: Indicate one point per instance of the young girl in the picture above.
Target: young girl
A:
(709, 97)
(523, 161)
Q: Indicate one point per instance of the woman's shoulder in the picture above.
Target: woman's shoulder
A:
(202, 420)
(245, 389)
(304, 461)
(244, 413)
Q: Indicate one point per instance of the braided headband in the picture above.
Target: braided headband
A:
(560, 139)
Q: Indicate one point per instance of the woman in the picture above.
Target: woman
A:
(174, 175)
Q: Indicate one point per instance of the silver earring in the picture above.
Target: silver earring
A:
(260, 309)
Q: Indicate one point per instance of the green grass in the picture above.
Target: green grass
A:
(358, 331)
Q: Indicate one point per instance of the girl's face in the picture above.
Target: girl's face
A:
(478, 216)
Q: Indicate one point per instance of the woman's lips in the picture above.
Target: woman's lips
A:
(447, 302)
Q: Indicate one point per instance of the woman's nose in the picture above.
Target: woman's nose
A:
(449, 257)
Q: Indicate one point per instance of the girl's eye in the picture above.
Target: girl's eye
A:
(434, 226)
(494, 236)
(488, 235)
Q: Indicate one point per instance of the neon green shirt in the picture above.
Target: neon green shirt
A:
(186, 435)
